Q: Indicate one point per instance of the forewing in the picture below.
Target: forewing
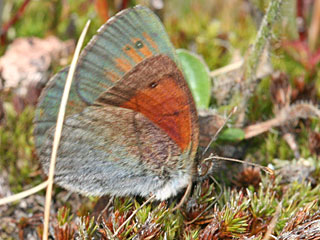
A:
(49, 103)
(124, 41)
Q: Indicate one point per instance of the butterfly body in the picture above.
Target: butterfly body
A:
(131, 123)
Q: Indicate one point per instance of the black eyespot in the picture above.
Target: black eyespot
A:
(139, 44)
(153, 84)
(127, 48)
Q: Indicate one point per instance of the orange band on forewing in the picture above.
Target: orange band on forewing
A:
(146, 52)
(123, 64)
(172, 115)
(144, 49)
(133, 54)
(103, 85)
(112, 76)
(150, 41)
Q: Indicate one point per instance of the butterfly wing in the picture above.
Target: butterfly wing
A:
(49, 103)
(137, 138)
(135, 134)
(125, 40)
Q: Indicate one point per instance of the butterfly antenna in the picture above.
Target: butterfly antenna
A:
(263, 168)
(185, 196)
(234, 109)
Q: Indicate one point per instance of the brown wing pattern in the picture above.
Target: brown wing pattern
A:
(157, 89)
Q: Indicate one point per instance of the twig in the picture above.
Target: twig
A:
(233, 111)
(132, 215)
(12, 21)
(262, 39)
(256, 129)
(105, 208)
(23, 194)
(1, 11)
(57, 134)
(102, 8)
(226, 69)
(273, 222)
(286, 115)
(255, 54)
(124, 4)
(314, 29)
(210, 205)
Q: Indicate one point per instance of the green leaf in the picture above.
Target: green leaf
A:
(232, 134)
(197, 76)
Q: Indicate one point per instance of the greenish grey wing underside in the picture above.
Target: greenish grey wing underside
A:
(127, 39)
(103, 62)
(113, 151)
(49, 103)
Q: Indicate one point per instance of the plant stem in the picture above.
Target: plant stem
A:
(253, 59)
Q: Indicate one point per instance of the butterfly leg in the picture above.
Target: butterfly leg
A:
(185, 196)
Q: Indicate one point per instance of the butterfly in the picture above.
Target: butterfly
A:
(131, 125)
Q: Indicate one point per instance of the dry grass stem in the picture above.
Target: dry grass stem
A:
(23, 194)
(58, 131)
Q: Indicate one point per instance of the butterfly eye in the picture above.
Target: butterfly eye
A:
(202, 170)
(153, 84)
(205, 168)
(139, 44)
